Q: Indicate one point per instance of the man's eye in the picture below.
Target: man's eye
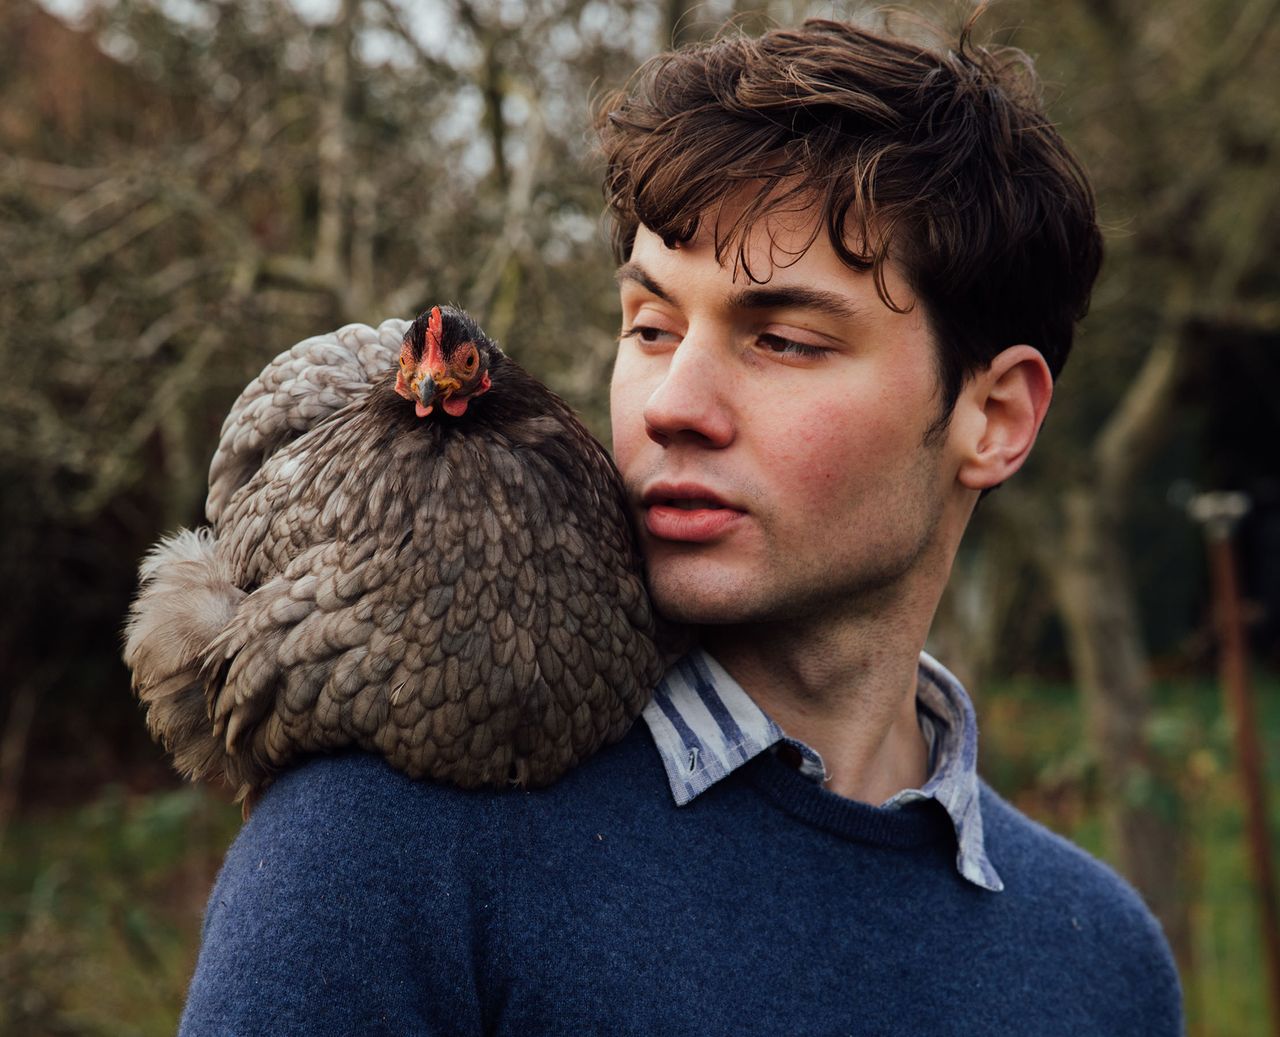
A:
(645, 334)
(789, 347)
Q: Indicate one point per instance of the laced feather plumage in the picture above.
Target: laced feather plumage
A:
(460, 593)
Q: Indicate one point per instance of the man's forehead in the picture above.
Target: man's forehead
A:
(775, 223)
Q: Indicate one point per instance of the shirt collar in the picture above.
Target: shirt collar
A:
(706, 726)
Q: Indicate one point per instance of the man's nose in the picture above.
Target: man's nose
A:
(691, 402)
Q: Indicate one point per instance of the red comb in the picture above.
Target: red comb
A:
(434, 351)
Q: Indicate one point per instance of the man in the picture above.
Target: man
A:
(850, 269)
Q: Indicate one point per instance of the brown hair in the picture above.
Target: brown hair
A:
(946, 161)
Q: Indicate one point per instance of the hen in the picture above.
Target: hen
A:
(414, 549)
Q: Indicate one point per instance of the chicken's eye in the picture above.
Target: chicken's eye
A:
(470, 362)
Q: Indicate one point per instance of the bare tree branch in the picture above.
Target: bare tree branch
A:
(1256, 318)
(50, 174)
(1140, 420)
(334, 152)
(1246, 36)
(439, 68)
(513, 239)
(359, 293)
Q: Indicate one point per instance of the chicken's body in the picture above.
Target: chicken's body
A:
(460, 592)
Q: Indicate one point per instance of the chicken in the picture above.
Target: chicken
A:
(414, 549)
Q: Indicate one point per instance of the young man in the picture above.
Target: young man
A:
(850, 269)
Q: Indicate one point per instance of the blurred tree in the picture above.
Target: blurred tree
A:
(1176, 111)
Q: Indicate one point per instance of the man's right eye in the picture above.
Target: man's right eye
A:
(644, 333)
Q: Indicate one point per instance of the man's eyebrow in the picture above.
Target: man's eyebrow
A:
(796, 296)
(757, 298)
(636, 273)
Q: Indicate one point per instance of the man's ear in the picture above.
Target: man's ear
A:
(1003, 408)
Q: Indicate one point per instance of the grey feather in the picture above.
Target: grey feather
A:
(462, 596)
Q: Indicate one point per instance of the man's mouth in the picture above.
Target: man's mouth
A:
(683, 495)
(692, 503)
(686, 513)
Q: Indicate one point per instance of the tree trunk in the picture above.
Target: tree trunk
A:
(334, 149)
(974, 624)
(1095, 595)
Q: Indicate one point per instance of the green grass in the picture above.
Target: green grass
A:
(100, 905)
(1033, 752)
(100, 911)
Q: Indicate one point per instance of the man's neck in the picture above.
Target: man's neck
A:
(846, 690)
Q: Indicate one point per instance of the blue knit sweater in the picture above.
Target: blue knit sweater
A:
(358, 902)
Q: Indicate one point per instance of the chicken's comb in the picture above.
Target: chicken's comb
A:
(434, 349)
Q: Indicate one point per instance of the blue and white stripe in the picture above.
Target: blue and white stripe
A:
(706, 726)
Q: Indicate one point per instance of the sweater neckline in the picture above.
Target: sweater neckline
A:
(901, 827)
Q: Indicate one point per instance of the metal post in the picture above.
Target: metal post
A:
(1219, 513)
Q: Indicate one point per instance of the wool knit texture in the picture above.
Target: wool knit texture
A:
(356, 901)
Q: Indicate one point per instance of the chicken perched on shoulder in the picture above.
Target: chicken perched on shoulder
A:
(414, 549)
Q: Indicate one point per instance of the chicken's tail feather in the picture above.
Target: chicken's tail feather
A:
(186, 598)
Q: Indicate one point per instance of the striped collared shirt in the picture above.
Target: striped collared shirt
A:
(706, 726)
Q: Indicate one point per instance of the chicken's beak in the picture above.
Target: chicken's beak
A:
(431, 387)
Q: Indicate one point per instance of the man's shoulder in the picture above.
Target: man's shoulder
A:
(1036, 857)
(349, 836)
(356, 797)
(345, 905)
(1067, 898)
(358, 800)
(337, 830)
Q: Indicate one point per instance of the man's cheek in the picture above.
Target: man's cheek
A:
(627, 398)
(812, 459)
(621, 420)
(626, 439)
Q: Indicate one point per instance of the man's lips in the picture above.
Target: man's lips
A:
(687, 512)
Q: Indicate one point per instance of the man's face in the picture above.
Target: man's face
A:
(771, 436)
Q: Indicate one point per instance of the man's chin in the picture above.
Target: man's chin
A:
(698, 603)
(705, 596)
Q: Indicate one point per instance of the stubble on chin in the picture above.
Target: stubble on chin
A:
(700, 599)
(681, 594)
